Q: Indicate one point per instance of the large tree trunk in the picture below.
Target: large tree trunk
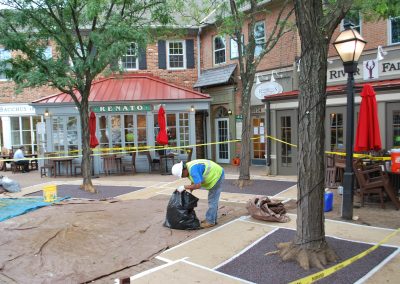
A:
(245, 155)
(310, 247)
(86, 165)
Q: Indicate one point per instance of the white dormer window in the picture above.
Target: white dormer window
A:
(394, 30)
(219, 50)
(129, 61)
(176, 58)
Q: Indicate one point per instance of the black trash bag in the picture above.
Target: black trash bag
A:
(180, 212)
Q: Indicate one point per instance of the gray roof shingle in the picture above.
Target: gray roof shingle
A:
(215, 76)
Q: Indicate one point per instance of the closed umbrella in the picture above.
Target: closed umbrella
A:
(92, 130)
(368, 136)
(162, 137)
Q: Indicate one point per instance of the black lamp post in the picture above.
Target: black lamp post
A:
(349, 44)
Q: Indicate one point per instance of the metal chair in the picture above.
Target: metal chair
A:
(48, 164)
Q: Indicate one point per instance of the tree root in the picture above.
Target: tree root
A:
(88, 187)
(242, 183)
(306, 257)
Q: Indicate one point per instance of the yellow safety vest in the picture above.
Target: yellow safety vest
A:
(212, 172)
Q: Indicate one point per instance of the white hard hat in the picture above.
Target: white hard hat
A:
(177, 169)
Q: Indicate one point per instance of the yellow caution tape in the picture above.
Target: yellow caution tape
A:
(324, 273)
(131, 149)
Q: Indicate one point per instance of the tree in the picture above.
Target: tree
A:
(316, 21)
(87, 34)
(231, 21)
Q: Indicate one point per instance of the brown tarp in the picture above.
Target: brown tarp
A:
(262, 208)
(81, 240)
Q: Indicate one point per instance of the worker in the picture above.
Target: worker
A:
(206, 174)
(20, 159)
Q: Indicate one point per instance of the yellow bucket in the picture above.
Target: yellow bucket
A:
(49, 193)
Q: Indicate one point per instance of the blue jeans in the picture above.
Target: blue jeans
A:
(213, 198)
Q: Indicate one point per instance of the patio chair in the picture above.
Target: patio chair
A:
(48, 164)
(372, 180)
(152, 162)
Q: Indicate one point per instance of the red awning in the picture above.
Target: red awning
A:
(132, 87)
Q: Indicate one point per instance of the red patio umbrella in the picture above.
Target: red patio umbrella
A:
(92, 130)
(368, 135)
(162, 137)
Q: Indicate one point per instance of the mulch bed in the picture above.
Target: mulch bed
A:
(253, 265)
(103, 191)
(257, 187)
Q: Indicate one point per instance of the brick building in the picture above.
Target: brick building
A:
(206, 61)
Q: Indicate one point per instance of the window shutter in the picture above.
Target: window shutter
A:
(142, 58)
(190, 53)
(162, 60)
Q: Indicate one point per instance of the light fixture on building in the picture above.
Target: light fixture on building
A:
(380, 53)
(192, 108)
(229, 112)
(46, 113)
(349, 44)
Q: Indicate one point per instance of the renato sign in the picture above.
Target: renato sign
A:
(121, 108)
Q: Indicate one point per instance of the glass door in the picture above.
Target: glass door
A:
(258, 141)
(221, 135)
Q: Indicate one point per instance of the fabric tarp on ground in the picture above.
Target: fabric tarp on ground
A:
(80, 240)
(11, 207)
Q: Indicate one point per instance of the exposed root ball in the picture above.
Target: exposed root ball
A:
(88, 187)
(307, 258)
(242, 183)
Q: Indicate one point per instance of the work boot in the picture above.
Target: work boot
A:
(204, 225)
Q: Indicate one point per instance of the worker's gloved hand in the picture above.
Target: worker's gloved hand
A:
(181, 188)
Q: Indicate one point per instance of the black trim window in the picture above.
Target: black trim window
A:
(129, 61)
(394, 33)
(259, 36)
(176, 54)
(219, 50)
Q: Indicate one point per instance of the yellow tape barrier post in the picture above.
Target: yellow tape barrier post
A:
(324, 273)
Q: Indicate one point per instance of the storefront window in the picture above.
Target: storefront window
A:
(141, 130)
(336, 130)
(126, 131)
(171, 129)
(58, 134)
(183, 130)
(103, 141)
(23, 132)
(65, 134)
(116, 131)
(72, 134)
(177, 130)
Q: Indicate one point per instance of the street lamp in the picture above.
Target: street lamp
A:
(349, 45)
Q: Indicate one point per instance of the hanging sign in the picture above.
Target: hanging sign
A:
(267, 89)
(370, 69)
(121, 108)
